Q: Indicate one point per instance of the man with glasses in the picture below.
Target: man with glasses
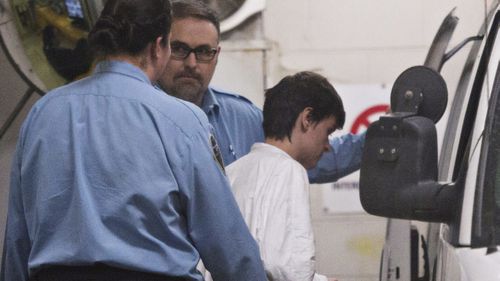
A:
(237, 123)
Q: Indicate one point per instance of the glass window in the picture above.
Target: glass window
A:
(488, 205)
(486, 224)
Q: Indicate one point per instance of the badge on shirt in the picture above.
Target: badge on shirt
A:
(216, 153)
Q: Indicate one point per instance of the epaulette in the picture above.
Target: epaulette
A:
(219, 91)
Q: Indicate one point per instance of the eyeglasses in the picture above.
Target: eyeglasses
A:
(181, 51)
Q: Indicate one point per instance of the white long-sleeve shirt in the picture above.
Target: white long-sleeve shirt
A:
(272, 191)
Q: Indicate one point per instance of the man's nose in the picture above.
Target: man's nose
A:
(190, 60)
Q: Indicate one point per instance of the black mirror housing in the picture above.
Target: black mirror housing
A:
(420, 90)
(399, 170)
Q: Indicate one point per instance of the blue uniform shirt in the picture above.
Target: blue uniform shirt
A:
(111, 170)
(236, 121)
(238, 125)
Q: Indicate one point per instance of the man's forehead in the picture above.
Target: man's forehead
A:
(330, 122)
(194, 27)
(333, 124)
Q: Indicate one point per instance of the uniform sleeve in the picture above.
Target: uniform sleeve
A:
(16, 247)
(214, 221)
(343, 158)
(288, 244)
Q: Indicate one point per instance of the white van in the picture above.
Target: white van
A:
(459, 198)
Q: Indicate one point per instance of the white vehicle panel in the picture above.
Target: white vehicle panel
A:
(477, 265)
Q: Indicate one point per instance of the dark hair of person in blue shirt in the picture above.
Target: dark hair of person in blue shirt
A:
(285, 101)
(127, 27)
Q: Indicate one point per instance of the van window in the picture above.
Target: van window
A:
(495, 149)
(487, 208)
(477, 88)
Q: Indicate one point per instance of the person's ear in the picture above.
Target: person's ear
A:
(306, 118)
(159, 46)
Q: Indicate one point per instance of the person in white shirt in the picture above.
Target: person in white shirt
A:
(270, 183)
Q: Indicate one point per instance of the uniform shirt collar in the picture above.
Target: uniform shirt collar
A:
(210, 102)
(122, 67)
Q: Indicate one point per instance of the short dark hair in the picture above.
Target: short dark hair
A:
(285, 101)
(182, 9)
(128, 26)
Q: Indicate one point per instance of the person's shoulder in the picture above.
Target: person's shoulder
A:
(232, 98)
(266, 164)
(138, 96)
(289, 166)
(184, 114)
(287, 163)
(55, 93)
(229, 95)
(190, 108)
(265, 155)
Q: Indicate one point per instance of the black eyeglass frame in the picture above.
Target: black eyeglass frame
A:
(198, 52)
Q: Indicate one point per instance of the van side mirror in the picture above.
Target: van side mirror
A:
(399, 167)
(422, 91)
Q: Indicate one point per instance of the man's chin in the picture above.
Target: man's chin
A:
(188, 92)
(187, 84)
(312, 164)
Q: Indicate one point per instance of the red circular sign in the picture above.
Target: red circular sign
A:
(363, 119)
